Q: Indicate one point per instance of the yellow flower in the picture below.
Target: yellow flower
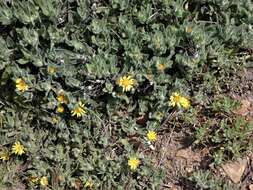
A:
(180, 101)
(126, 82)
(21, 85)
(60, 109)
(51, 70)
(152, 136)
(62, 98)
(79, 110)
(44, 181)
(88, 184)
(34, 179)
(175, 99)
(188, 29)
(4, 155)
(185, 103)
(18, 148)
(161, 67)
(55, 120)
(133, 163)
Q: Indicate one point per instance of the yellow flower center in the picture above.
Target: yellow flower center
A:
(161, 67)
(177, 99)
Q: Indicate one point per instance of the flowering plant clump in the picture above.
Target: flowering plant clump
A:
(123, 59)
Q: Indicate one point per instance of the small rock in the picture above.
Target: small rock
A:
(174, 188)
(184, 153)
(235, 170)
(249, 74)
(244, 109)
(189, 155)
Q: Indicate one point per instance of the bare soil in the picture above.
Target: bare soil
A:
(175, 152)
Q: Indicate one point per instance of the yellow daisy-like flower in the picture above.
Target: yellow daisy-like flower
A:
(60, 109)
(44, 181)
(175, 99)
(185, 103)
(34, 179)
(51, 70)
(4, 155)
(126, 82)
(89, 184)
(21, 85)
(62, 98)
(179, 101)
(161, 67)
(152, 136)
(18, 148)
(79, 110)
(133, 163)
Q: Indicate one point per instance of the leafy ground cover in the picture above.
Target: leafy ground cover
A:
(112, 94)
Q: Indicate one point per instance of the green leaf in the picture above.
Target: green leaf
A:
(73, 82)
(26, 11)
(50, 8)
(6, 14)
(30, 36)
(83, 8)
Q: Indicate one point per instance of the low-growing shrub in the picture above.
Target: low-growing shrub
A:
(206, 180)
